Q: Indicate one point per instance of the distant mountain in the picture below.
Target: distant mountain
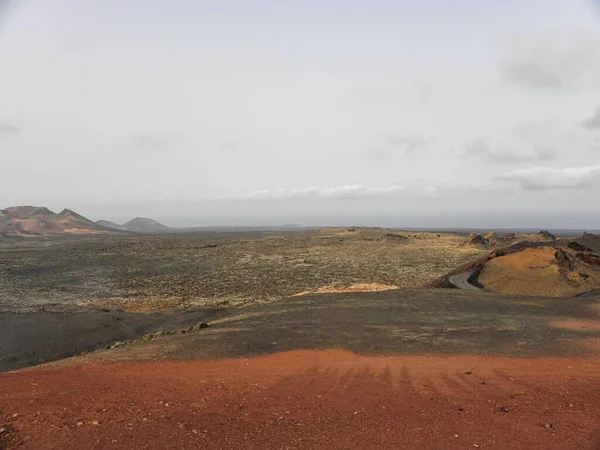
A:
(23, 212)
(39, 221)
(109, 224)
(72, 215)
(138, 225)
(145, 225)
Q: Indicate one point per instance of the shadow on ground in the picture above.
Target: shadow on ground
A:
(31, 338)
(385, 323)
(398, 322)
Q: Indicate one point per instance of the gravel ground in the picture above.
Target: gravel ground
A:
(148, 273)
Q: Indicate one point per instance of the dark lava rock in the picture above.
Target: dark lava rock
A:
(393, 237)
(547, 235)
(564, 259)
(477, 239)
(590, 235)
(591, 259)
(573, 245)
(504, 409)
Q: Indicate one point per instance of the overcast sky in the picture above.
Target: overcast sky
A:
(406, 113)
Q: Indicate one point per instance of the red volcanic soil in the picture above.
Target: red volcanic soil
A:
(326, 399)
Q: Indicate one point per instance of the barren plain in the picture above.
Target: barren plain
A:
(315, 339)
(165, 272)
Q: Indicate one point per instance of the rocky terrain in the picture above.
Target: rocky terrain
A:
(590, 240)
(306, 339)
(200, 269)
(557, 268)
(546, 270)
(493, 240)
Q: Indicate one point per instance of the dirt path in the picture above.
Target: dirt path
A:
(326, 399)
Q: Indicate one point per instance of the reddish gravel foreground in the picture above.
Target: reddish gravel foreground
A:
(306, 399)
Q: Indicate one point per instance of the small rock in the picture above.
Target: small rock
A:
(547, 425)
(460, 408)
(2, 430)
(504, 409)
(468, 372)
(79, 424)
(95, 422)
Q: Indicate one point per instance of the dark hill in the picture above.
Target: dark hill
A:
(145, 225)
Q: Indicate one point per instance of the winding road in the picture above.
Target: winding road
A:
(461, 281)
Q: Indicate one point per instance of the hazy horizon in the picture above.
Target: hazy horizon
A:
(410, 114)
(346, 212)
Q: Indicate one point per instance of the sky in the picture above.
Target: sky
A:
(470, 113)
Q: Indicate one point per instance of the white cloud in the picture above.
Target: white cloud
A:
(155, 141)
(7, 128)
(551, 62)
(398, 145)
(593, 123)
(480, 149)
(409, 144)
(546, 178)
(350, 191)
